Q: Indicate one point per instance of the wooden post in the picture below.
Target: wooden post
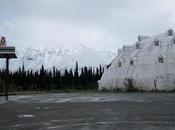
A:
(7, 78)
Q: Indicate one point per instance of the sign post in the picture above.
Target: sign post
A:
(6, 52)
(7, 78)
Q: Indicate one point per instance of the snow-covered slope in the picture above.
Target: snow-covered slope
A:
(62, 56)
(147, 65)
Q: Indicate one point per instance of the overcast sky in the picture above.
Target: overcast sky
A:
(102, 24)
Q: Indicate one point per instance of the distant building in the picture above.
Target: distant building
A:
(147, 65)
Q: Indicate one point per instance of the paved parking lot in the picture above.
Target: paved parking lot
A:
(85, 111)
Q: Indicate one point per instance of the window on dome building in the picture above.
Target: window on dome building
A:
(137, 46)
(174, 41)
(170, 32)
(131, 62)
(156, 42)
(161, 60)
(120, 64)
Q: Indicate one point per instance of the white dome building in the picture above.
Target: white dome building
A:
(147, 65)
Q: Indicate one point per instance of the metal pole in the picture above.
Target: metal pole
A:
(7, 78)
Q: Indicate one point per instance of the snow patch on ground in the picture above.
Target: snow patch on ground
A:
(26, 116)
(73, 97)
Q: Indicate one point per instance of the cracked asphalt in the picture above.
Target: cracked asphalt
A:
(86, 111)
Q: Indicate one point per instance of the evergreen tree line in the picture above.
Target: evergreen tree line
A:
(45, 80)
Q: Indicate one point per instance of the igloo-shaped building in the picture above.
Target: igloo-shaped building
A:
(147, 65)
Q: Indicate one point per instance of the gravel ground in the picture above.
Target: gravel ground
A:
(85, 111)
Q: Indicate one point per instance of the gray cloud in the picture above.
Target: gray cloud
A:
(103, 24)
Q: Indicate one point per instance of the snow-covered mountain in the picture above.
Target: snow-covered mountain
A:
(62, 56)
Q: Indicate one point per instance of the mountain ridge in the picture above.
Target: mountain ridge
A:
(61, 56)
